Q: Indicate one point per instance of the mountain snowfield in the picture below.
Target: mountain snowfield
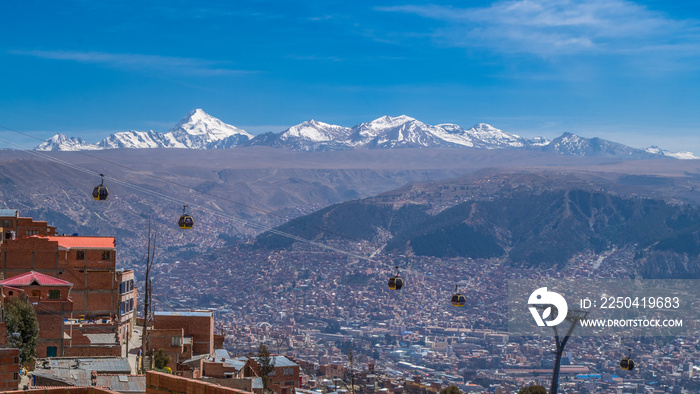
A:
(199, 130)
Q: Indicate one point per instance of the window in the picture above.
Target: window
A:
(131, 305)
(54, 294)
(106, 255)
(272, 373)
(6, 223)
(176, 341)
(288, 371)
(80, 255)
(121, 288)
(289, 383)
(10, 292)
(15, 376)
(36, 293)
(32, 232)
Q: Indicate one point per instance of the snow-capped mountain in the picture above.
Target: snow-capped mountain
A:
(138, 139)
(199, 130)
(397, 132)
(64, 143)
(574, 145)
(676, 155)
(311, 135)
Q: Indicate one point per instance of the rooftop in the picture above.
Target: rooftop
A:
(176, 313)
(6, 213)
(69, 242)
(34, 278)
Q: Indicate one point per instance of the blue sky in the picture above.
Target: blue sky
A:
(622, 70)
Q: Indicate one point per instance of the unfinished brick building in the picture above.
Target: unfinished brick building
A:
(60, 334)
(89, 263)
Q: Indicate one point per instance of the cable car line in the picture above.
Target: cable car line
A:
(259, 210)
(242, 222)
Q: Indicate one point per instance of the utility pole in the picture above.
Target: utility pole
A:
(150, 254)
(573, 317)
(352, 372)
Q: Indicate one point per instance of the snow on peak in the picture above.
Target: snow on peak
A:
(316, 131)
(62, 142)
(495, 138)
(199, 130)
(200, 123)
(676, 155)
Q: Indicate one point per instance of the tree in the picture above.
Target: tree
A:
(22, 328)
(267, 365)
(161, 360)
(452, 389)
(533, 390)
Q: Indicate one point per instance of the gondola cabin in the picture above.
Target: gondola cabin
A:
(458, 300)
(627, 364)
(186, 221)
(100, 192)
(395, 283)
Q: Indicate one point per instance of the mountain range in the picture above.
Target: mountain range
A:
(199, 130)
(527, 219)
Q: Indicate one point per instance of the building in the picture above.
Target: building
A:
(127, 303)
(9, 369)
(89, 263)
(61, 334)
(197, 325)
(284, 379)
(49, 297)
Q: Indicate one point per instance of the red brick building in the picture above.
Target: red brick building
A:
(60, 332)
(9, 369)
(285, 377)
(198, 325)
(89, 263)
(49, 298)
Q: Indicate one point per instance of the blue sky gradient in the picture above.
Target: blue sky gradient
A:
(621, 70)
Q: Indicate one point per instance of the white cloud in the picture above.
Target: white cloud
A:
(554, 27)
(174, 65)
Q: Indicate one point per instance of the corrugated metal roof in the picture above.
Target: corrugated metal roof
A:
(102, 339)
(28, 278)
(282, 361)
(257, 383)
(4, 213)
(221, 353)
(123, 383)
(177, 313)
(84, 242)
(101, 364)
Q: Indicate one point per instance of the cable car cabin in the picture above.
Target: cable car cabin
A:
(395, 283)
(627, 364)
(458, 300)
(100, 193)
(186, 222)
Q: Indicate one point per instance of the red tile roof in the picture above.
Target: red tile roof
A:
(67, 242)
(28, 278)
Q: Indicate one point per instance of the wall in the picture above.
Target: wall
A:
(163, 383)
(200, 328)
(9, 368)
